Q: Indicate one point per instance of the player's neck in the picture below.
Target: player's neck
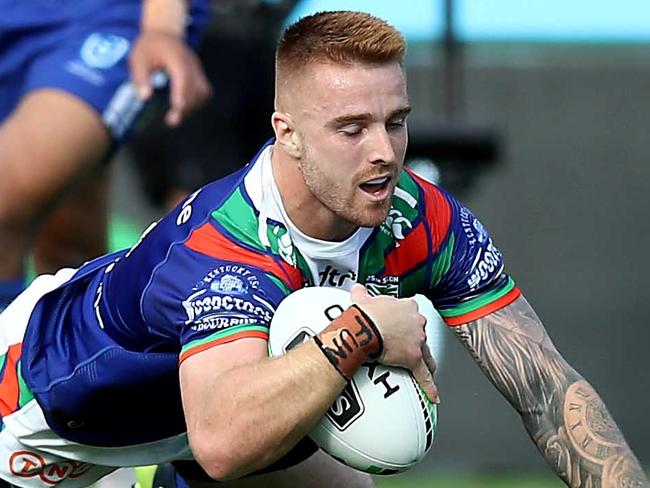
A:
(306, 212)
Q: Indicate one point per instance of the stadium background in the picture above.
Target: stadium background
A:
(561, 88)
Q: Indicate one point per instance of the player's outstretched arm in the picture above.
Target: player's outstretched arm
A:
(562, 412)
(245, 410)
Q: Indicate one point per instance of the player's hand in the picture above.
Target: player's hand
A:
(402, 330)
(156, 50)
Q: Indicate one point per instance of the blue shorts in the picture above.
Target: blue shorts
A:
(83, 52)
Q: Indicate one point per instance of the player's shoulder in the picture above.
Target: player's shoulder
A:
(418, 199)
(215, 232)
(193, 215)
(200, 204)
(160, 250)
(419, 192)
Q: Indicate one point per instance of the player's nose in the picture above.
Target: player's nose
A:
(381, 147)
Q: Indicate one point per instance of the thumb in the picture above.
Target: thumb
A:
(359, 293)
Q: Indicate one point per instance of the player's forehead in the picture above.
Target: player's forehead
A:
(337, 91)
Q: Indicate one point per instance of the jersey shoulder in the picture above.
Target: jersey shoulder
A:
(210, 278)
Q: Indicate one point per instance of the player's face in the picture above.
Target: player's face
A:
(353, 133)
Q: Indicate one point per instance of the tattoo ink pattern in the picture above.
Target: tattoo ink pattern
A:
(563, 414)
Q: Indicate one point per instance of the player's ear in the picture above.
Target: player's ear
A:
(286, 134)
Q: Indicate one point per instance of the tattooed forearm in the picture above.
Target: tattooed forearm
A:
(563, 414)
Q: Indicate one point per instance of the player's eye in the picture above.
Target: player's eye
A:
(351, 130)
(396, 123)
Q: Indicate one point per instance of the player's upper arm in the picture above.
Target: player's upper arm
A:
(202, 372)
(219, 313)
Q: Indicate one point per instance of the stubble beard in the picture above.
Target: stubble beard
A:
(331, 195)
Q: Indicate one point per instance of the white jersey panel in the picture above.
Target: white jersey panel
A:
(31, 454)
(333, 264)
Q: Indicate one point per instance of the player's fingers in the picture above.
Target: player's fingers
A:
(206, 88)
(140, 71)
(424, 378)
(359, 293)
(179, 84)
(173, 118)
(202, 89)
(428, 358)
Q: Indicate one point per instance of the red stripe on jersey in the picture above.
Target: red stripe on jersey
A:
(437, 211)
(408, 253)
(225, 340)
(208, 240)
(479, 313)
(9, 387)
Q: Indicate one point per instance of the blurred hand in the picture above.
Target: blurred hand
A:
(157, 50)
(402, 331)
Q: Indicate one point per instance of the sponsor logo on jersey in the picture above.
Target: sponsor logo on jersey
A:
(26, 464)
(472, 227)
(489, 262)
(186, 209)
(212, 322)
(103, 51)
(207, 311)
(395, 224)
(330, 276)
(229, 278)
(229, 284)
(225, 297)
(383, 285)
(481, 233)
(80, 69)
(285, 246)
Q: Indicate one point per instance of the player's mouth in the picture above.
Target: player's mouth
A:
(378, 188)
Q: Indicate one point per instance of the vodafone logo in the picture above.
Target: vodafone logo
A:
(26, 464)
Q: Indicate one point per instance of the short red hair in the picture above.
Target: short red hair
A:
(341, 37)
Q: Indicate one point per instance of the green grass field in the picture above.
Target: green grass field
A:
(470, 481)
(123, 233)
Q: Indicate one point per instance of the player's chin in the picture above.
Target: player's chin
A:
(373, 215)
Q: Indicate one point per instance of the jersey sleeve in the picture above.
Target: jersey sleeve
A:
(209, 301)
(468, 279)
(231, 302)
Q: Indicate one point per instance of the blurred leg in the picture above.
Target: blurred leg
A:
(48, 143)
(76, 230)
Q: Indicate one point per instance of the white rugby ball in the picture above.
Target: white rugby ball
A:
(382, 423)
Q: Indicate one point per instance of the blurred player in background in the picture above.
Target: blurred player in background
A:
(66, 101)
(182, 318)
(237, 53)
